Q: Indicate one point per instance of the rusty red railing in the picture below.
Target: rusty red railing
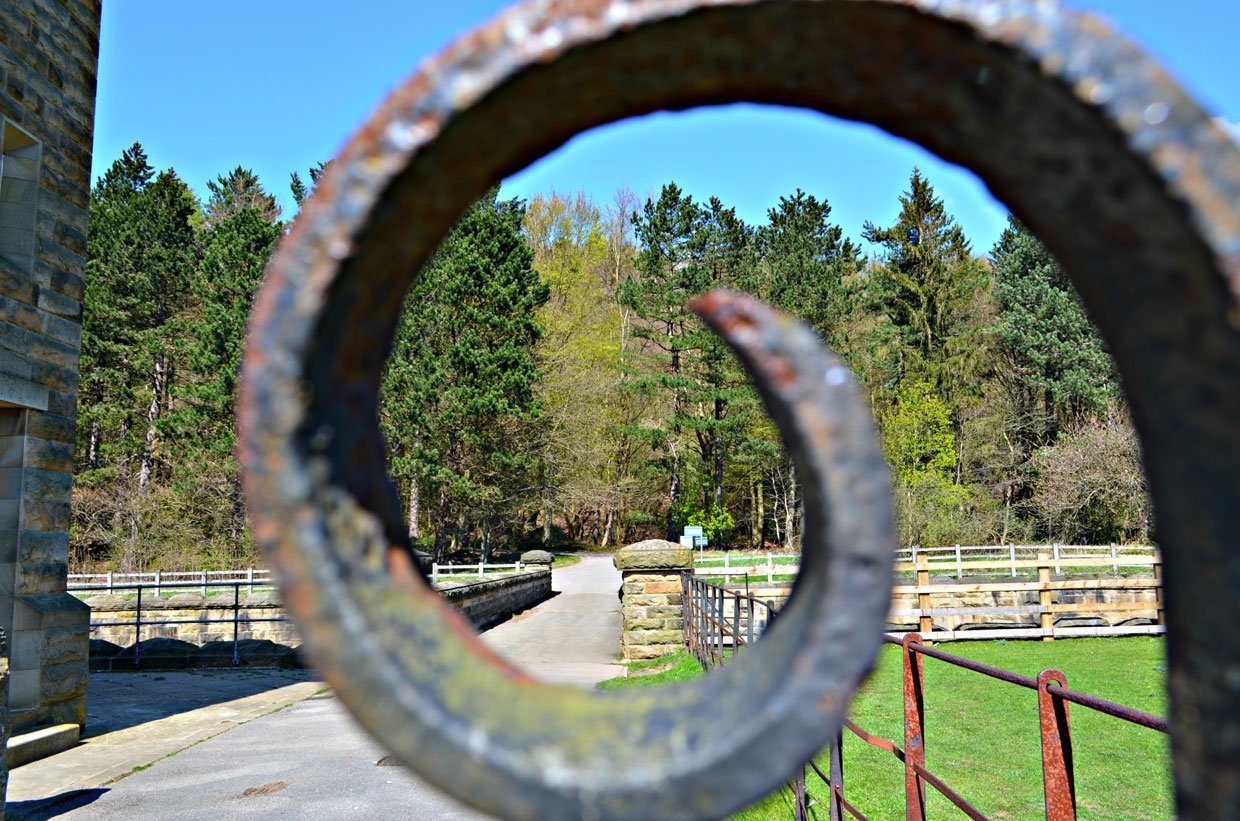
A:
(717, 619)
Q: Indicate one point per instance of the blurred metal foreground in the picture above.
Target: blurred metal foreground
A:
(1130, 183)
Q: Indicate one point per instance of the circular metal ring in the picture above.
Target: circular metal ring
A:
(1133, 187)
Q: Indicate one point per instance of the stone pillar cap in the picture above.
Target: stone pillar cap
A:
(654, 554)
(537, 557)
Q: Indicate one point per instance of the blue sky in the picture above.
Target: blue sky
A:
(278, 85)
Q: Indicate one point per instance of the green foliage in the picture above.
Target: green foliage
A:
(926, 285)
(459, 402)
(548, 382)
(716, 522)
(1055, 364)
(986, 742)
(917, 435)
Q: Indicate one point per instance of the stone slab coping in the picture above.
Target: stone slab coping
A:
(654, 554)
(41, 742)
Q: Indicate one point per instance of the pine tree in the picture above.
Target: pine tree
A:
(1054, 363)
(237, 191)
(670, 269)
(808, 264)
(142, 258)
(927, 285)
(459, 397)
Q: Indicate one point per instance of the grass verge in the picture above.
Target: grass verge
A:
(982, 734)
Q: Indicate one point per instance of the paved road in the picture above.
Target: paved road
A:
(310, 761)
(573, 638)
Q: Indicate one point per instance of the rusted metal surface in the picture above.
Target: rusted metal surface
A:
(950, 794)
(1058, 779)
(1108, 707)
(1129, 182)
(418, 679)
(914, 729)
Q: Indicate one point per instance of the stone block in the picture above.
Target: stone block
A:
(653, 637)
(48, 454)
(653, 599)
(51, 515)
(642, 652)
(41, 546)
(663, 587)
(38, 612)
(631, 624)
(61, 682)
(12, 448)
(62, 645)
(537, 557)
(654, 554)
(23, 688)
(36, 578)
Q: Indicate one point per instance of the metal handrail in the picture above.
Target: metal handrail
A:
(707, 625)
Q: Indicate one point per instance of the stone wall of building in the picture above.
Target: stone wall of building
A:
(48, 62)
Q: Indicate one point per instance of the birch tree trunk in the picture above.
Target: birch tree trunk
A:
(152, 418)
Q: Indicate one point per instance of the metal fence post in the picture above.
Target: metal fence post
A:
(1058, 782)
(236, 659)
(137, 630)
(736, 623)
(914, 731)
(801, 810)
(837, 777)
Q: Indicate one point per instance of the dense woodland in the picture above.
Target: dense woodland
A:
(548, 386)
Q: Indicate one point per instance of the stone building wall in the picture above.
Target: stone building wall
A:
(48, 62)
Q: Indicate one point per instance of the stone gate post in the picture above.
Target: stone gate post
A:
(650, 597)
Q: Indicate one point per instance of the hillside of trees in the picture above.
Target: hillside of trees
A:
(548, 385)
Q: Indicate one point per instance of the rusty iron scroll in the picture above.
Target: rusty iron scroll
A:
(1133, 187)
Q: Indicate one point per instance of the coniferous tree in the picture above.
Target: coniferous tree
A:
(669, 270)
(809, 263)
(459, 388)
(1055, 365)
(237, 191)
(926, 284)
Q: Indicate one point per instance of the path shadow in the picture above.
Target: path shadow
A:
(115, 701)
(40, 808)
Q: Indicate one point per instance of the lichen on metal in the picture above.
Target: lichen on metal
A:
(1130, 183)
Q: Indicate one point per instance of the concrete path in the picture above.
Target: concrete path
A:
(307, 761)
(573, 638)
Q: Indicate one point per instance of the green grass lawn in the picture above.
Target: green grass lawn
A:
(982, 734)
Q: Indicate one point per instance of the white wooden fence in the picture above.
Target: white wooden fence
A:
(1017, 560)
(255, 578)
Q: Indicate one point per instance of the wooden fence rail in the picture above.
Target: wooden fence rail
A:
(1002, 608)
